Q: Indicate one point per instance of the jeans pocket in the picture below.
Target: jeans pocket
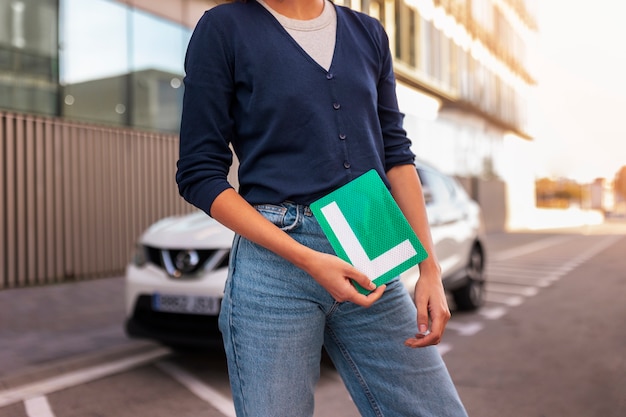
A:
(273, 213)
(287, 216)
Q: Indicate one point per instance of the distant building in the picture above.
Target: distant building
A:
(463, 69)
(96, 60)
(601, 195)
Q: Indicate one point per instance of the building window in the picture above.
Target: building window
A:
(94, 60)
(405, 35)
(156, 59)
(28, 55)
(121, 66)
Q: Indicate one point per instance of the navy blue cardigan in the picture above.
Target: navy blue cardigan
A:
(298, 130)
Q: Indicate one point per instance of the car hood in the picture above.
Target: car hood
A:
(196, 230)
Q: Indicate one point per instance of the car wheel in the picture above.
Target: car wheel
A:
(472, 295)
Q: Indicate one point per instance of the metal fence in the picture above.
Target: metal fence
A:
(74, 197)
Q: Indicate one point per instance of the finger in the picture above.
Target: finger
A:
(431, 337)
(422, 317)
(362, 279)
(369, 299)
(437, 327)
(422, 341)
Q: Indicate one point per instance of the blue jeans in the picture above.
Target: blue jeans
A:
(275, 319)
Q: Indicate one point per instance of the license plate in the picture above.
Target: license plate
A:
(189, 304)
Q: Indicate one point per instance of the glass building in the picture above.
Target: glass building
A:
(463, 68)
(96, 61)
(90, 105)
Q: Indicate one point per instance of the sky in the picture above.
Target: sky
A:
(579, 111)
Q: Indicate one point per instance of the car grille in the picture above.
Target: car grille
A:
(187, 262)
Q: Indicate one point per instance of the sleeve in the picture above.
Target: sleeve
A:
(206, 126)
(397, 144)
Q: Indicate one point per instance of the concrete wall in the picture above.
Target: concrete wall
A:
(492, 196)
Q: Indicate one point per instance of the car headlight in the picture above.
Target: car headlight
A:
(186, 261)
(140, 257)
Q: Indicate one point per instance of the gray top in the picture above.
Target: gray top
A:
(316, 36)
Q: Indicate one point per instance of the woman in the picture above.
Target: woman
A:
(304, 92)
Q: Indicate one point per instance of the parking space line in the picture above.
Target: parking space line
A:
(465, 329)
(526, 269)
(444, 348)
(78, 377)
(511, 301)
(38, 407)
(492, 313)
(529, 248)
(514, 289)
(542, 282)
(200, 389)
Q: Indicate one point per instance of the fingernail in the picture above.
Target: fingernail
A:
(423, 328)
(372, 286)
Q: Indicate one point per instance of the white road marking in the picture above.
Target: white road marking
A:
(203, 391)
(520, 280)
(511, 301)
(512, 283)
(444, 348)
(78, 377)
(465, 329)
(492, 313)
(38, 407)
(524, 290)
(528, 248)
(594, 250)
(523, 269)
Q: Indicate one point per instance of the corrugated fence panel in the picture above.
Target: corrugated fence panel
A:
(75, 197)
(40, 200)
(50, 238)
(19, 199)
(57, 227)
(11, 277)
(3, 208)
(30, 192)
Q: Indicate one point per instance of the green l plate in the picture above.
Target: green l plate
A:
(366, 228)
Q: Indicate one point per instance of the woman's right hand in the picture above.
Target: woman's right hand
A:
(336, 276)
(331, 272)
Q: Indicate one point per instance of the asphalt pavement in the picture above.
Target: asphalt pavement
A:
(560, 352)
(52, 329)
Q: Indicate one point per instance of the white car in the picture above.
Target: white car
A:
(174, 285)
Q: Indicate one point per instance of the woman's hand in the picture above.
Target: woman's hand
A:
(432, 304)
(331, 272)
(430, 298)
(336, 276)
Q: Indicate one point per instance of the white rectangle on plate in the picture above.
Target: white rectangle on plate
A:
(189, 304)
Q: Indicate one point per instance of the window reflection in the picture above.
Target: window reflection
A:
(157, 66)
(121, 65)
(94, 60)
(28, 55)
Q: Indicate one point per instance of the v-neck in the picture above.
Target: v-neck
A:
(294, 24)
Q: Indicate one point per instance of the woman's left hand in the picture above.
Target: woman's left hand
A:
(432, 304)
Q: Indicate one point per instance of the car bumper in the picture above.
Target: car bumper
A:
(174, 329)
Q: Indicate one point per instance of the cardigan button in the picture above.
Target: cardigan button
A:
(336, 106)
(342, 136)
(329, 76)
(346, 164)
